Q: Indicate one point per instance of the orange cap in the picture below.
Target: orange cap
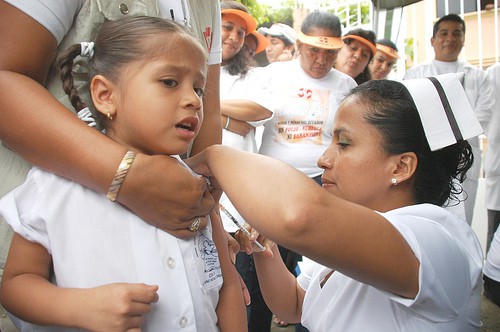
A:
(388, 50)
(262, 41)
(365, 41)
(251, 23)
(329, 43)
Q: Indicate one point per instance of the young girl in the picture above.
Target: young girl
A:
(113, 271)
(390, 257)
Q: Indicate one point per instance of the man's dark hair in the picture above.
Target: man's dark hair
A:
(449, 17)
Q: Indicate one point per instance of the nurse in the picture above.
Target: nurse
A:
(382, 244)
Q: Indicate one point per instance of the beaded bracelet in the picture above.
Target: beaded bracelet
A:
(120, 175)
(227, 122)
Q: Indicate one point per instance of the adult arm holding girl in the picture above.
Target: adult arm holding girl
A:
(42, 131)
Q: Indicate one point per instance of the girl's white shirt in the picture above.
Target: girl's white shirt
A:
(94, 242)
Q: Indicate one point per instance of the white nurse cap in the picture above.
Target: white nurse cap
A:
(445, 111)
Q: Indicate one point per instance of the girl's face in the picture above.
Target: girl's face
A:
(353, 58)
(233, 35)
(275, 48)
(158, 102)
(315, 61)
(381, 65)
(356, 168)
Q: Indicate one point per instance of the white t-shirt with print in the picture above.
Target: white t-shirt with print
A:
(304, 110)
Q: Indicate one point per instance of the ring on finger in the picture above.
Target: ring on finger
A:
(195, 225)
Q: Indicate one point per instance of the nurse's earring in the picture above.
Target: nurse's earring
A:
(394, 181)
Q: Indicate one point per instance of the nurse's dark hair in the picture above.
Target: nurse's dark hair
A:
(118, 44)
(392, 111)
(322, 20)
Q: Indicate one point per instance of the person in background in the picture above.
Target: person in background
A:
(255, 43)
(492, 159)
(386, 255)
(491, 270)
(118, 280)
(448, 39)
(54, 139)
(243, 109)
(242, 103)
(384, 60)
(306, 92)
(357, 52)
(282, 39)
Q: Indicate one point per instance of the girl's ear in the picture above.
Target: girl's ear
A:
(101, 90)
(406, 165)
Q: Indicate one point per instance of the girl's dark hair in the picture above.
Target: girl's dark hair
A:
(371, 37)
(118, 44)
(241, 62)
(392, 111)
(322, 20)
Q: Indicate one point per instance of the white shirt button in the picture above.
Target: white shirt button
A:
(183, 322)
(170, 262)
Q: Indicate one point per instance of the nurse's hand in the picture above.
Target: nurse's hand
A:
(249, 244)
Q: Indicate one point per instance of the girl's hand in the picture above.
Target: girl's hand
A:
(116, 307)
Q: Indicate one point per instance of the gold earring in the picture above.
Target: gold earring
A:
(109, 116)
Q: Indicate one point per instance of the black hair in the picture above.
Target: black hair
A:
(392, 111)
(388, 43)
(241, 63)
(369, 35)
(322, 20)
(449, 17)
(119, 43)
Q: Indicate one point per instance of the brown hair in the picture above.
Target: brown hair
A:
(119, 43)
